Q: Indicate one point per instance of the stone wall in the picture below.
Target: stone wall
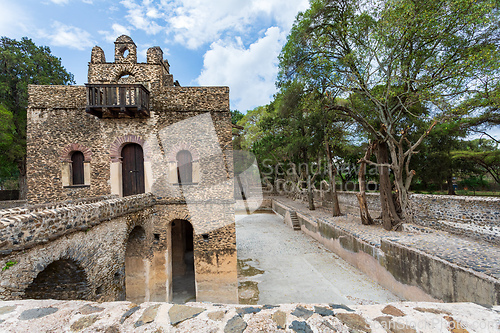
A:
(28, 229)
(476, 217)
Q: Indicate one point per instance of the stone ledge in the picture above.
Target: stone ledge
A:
(28, 229)
(409, 317)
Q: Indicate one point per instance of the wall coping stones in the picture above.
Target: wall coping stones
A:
(467, 314)
(27, 229)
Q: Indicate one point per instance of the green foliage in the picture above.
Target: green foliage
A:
(22, 63)
(8, 265)
(236, 116)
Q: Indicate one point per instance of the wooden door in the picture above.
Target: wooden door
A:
(132, 169)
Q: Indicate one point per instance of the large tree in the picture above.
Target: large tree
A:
(22, 63)
(402, 66)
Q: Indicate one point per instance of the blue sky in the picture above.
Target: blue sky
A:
(231, 43)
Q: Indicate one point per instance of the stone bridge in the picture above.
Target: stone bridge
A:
(109, 248)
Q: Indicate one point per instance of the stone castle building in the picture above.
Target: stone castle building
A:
(133, 131)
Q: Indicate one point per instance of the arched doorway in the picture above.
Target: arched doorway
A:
(132, 169)
(183, 274)
(135, 272)
(63, 279)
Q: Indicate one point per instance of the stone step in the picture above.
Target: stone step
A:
(295, 220)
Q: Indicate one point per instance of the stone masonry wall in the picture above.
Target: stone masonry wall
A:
(477, 217)
(99, 251)
(57, 118)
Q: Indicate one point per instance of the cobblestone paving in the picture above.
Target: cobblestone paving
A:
(477, 255)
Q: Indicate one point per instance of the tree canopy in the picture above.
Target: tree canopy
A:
(22, 63)
(399, 66)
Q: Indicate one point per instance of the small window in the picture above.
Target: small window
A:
(184, 167)
(77, 168)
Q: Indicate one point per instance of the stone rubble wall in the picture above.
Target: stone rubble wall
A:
(27, 229)
(471, 216)
(403, 270)
(407, 317)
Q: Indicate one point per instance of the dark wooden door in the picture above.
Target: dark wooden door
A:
(132, 169)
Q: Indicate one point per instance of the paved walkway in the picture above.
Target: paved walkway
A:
(279, 265)
(474, 254)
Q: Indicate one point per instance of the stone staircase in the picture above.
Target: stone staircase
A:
(295, 220)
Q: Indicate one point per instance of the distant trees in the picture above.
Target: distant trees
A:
(400, 67)
(22, 63)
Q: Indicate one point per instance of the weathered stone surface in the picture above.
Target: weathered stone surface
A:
(37, 313)
(300, 327)
(216, 316)
(148, 315)
(323, 311)
(112, 329)
(244, 311)
(279, 317)
(128, 313)
(83, 323)
(455, 326)
(302, 312)
(179, 313)
(235, 325)
(431, 310)
(393, 311)
(7, 309)
(354, 321)
(89, 309)
(340, 306)
(394, 327)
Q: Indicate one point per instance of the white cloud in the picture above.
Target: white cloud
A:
(249, 72)
(117, 30)
(193, 23)
(141, 16)
(60, 2)
(14, 19)
(68, 36)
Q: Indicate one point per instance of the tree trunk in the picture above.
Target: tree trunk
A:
(23, 185)
(366, 219)
(451, 189)
(332, 173)
(310, 195)
(389, 214)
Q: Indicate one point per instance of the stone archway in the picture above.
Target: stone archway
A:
(183, 272)
(135, 266)
(63, 279)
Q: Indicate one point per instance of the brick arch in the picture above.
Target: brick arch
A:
(69, 149)
(172, 155)
(115, 150)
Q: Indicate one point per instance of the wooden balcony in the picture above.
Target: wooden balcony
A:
(117, 100)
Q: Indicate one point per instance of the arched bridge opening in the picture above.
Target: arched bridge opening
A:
(63, 279)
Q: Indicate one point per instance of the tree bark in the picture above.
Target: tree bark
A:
(332, 173)
(23, 185)
(389, 214)
(310, 195)
(366, 219)
(451, 189)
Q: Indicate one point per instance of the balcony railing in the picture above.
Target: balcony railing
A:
(114, 100)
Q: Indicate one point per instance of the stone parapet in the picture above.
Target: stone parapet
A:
(471, 216)
(27, 229)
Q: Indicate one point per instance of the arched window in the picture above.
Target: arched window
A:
(184, 167)
(77, 168)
